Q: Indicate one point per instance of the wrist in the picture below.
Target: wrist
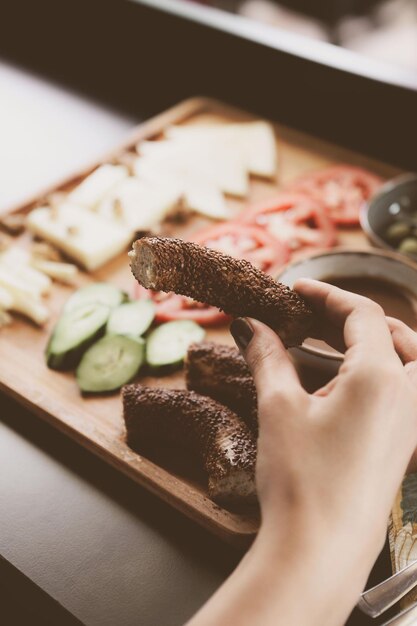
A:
(310, 533)
(325, 572)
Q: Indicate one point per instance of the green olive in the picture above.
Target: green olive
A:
(397, 231)
(408, 246)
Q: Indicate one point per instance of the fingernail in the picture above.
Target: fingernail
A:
(242, 332)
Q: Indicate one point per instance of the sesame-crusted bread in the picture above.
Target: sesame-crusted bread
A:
(234, 286)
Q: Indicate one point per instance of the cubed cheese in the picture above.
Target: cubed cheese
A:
(83, 235)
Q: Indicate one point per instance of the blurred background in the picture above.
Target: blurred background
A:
(385, 30)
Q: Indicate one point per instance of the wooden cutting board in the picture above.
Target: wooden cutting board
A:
(96, 422)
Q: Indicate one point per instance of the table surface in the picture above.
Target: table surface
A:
(80, 542)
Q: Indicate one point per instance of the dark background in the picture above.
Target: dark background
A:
(145, 58)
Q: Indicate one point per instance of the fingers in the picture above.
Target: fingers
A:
(405, 339)
(267, 358)
(362, 320)
(324, 391)
(331, 334)
(405, 344)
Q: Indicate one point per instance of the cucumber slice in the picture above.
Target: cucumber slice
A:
(74, 332)
(97, 293)
(110, 363)
(167, 345)
(132, 318)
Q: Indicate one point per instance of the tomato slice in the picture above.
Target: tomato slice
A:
(340, 189)
(241, 241)
(294, 219)
(245, 241)
(171, 307)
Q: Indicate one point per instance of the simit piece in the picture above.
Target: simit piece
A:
(223, 443)
(234, 286)
(221, 372)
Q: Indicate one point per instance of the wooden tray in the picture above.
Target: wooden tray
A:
(96, 422)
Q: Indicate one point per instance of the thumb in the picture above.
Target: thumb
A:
(405, 343)
(267, 358)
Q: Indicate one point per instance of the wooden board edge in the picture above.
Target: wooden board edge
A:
(237, 533)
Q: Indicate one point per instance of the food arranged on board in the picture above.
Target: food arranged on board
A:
(218, 371)
(26, 276)
(99, 218)
(238, 240)
(233, 285)
(217, 437)
(341, 190)
(109, 338)
(105, 338)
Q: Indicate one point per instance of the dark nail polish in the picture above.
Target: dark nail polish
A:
(242, 332)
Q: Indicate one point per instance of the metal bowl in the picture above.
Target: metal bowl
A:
(399, 194)
(346, 263)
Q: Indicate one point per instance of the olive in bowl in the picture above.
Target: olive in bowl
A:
(390, 218)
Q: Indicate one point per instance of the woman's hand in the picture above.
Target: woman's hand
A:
(349, 441)
(329, 465)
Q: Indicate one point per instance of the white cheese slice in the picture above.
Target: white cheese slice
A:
(255, 141)
(83, 235)
(138, 204)
(198, 196)
(207, 161)
(261, 148)
(207, 201)
(95, 186)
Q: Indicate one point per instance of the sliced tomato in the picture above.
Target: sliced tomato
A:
(246, 241)
(171, 307)
(294, 219)
(340, 189)
(241, 241)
